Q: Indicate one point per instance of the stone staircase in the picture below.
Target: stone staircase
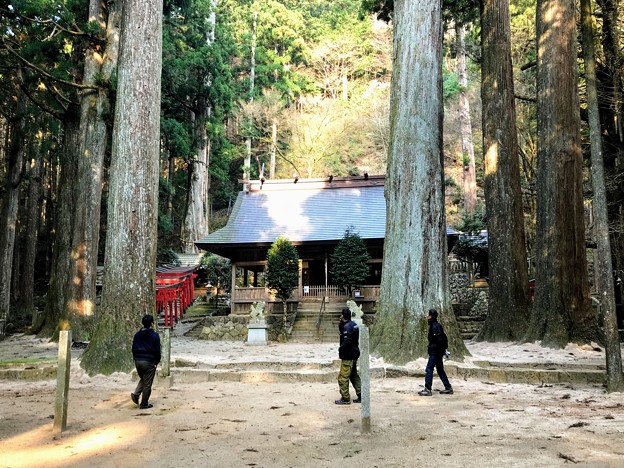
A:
(255, 371)
(326, 372)
(469, 325)
(305, 329)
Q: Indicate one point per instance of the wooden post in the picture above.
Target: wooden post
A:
(62, 381)
(365, 378)
(166, 353)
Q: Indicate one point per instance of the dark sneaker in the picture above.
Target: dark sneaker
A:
(447, 391)
(342, 402)
(425, 392)
(149, 405)
(358, 399)
(134, 398)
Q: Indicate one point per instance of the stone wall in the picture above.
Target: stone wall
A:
(472, 301)
(470, 305)
(234, 327)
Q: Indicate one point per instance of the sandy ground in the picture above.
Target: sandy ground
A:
(226, 424)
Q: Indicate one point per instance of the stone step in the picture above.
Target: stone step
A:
(541, 365)
(527, 375)
(258, 365)
(326, 372)
(252, 376)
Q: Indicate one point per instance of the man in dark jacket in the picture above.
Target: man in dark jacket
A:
(436, 349)
(348, 352)
(146, 354)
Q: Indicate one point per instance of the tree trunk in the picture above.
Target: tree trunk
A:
(468, 158)
(603, 270)
(195, 218)
(196, 222)
(79, 302)
(26, 284)
(130, 259)
(252, 77)
(273, 149)
(50, 321)
(508, 305)
(562, 311)
(610, 89)
(8, 213)
(415, 275)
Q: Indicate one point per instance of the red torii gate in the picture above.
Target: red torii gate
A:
(175, 291)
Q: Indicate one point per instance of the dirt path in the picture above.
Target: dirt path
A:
(278, 425)
(227, 424)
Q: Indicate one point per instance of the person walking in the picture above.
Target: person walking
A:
(438, 343)
(348, 352)
(146, 354)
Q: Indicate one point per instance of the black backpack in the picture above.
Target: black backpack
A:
(443, 339)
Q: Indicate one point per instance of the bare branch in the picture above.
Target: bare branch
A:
(47, 75)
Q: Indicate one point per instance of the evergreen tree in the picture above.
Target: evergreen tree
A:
(415, 276)
(282, 268)
(562, 311)
(130, 262)
(350, 261)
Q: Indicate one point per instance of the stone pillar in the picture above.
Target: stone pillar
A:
(257, 333)
(62, 381)
(166, 353)
(365, 377)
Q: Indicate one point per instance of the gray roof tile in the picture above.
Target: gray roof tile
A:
(303, 215)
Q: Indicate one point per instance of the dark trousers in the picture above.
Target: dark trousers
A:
(348, 373)
(435, 360)
(147, 372)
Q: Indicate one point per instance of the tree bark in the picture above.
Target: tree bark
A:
(508, 305)
(415, 277)
(252, 77)
(610, 90)
(50, 321)
(562, 311)
(130, 259)
(195, 218)
(26, 284)
(8, 213)
(196, 221)
(603, 270)
(468, 158)
(79, 301)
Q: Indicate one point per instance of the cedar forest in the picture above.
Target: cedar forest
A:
(517, 111)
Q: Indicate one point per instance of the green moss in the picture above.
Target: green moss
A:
(200, 309)
(110, 350)
(12, 362)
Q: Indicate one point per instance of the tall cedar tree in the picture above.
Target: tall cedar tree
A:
(562, 310)
(415, 276)
(282, 268)
(603, 267)
(94, 135)
(130, 259)
(610, 82)
(350, 261)
(9, 204)
(508, 307)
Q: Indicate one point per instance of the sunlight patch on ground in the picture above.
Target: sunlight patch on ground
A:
(49, 452)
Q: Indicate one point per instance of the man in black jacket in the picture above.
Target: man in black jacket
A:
(348, 352)
(146, 354)
(438, 343)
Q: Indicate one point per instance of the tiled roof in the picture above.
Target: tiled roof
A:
(320, 213)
